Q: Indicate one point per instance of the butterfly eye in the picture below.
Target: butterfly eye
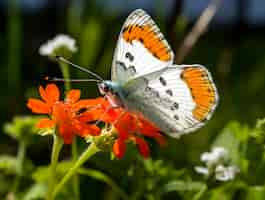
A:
(105, 88)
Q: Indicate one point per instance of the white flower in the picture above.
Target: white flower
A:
(223, 173)
(202, 170)
(218, 154)
(60, 41)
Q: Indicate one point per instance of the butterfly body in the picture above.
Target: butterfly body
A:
(178, 99)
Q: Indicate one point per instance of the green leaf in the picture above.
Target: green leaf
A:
(41, 174)
(8, 164)
(256, 193)
(22, 127)
(182, 186)
(230, 139)
(37, 191)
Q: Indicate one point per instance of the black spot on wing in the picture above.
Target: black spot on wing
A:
(176, 117)
(152, 92)
(169, 92)
(122, 64)
(132, 69)
(175, 106)
(129, 56)
(162, 81)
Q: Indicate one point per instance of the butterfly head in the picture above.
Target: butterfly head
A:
(108, 87)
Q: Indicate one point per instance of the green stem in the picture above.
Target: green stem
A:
(102, 177)
(20, 163)
(75, 178)
(66, 75)
(200, 193)
(56, 148)
(90, 151)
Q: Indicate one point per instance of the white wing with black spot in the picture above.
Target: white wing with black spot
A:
(141, 48)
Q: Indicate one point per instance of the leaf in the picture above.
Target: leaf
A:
(230, 138)
(22, 127)
(41, 174)
(256, 193)
(183, 186)
(8, 164)
(37, 191)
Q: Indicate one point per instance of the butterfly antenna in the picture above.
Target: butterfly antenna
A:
(62, 59)
(54, 79)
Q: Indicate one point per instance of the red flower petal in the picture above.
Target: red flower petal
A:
(73, 96)
(91, 115)
(43, 94)
(38, 106)
(84, 130)
(52, 93)
(45, 123)
(142, 147)
(66, 133)
(88, 103)
(119, 148)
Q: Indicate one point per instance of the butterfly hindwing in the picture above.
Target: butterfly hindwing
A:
(178, 100)
(141, 48)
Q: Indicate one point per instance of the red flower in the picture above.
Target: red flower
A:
(76, 117)
(65, 115)
(130, 127)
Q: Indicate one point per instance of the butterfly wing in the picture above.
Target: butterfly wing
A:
(141, 48)
(178, 100)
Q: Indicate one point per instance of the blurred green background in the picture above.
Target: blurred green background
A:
(233, 49)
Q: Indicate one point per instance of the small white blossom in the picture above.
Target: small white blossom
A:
(202, 170)
(223, 173)
(218, 154)
(60, 41)
(217, 165)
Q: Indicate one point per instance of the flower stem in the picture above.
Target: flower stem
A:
(20, 163)
(66, 75)
(76, 177)
(90, 151)
(67, 86)
(56, 148)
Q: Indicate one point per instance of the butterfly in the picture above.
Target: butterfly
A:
(178, 99)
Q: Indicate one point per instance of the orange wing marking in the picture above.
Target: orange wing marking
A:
(202, 91)
(150, 39)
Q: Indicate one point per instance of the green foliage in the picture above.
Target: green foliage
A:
(22, 128)
(35, 192)
(8, 164)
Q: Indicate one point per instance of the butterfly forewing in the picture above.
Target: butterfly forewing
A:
(141, 48)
